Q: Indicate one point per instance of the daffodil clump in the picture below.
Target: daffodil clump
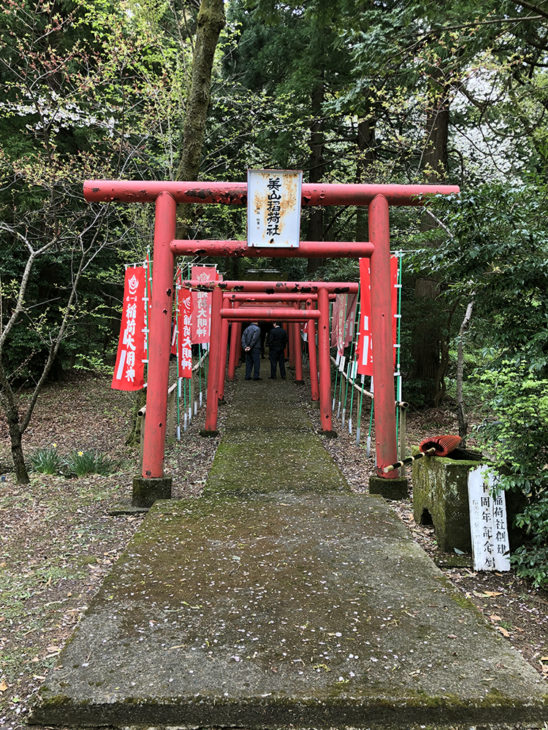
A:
(47, 460)
(77, 463)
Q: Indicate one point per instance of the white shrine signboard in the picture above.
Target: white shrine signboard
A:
(488, 524)
(274, 208)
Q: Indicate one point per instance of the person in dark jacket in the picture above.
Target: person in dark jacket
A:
(277, 340)
(251, 342)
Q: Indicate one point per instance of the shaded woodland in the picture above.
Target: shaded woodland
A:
(345, 91)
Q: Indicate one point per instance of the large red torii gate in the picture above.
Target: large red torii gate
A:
(166, 195)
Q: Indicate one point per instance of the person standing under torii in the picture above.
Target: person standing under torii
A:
(277, 341)
(251, 342)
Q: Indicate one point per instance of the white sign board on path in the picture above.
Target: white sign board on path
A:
(488, 523)
(274, 208)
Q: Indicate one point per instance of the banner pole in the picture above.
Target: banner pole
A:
(354, 355)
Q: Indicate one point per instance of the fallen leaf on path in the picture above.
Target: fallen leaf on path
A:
(487, 594)
(503, 631)
(3, 686)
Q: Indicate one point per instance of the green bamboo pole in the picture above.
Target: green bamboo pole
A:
(359, 416)
(349, 375)
(336, 365)
(368, 448)
(344, 362)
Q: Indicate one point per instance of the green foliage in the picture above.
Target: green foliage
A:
(82, 463)
(516, 435)
(496, 254)
(92, 362)
(77, 463)
(46, 461)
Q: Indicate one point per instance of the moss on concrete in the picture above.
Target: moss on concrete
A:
(256, 606)
(389, 488)
(147, 491)
(274, 462)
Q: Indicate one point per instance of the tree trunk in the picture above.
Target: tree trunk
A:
(315, 229)
(21, 473)
(211, 20)
(134, 435)
(366, 145)
(461, 413)
(9, 406)
(429, 319)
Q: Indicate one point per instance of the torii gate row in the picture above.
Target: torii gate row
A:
(243, 310)
(220, 318)
(246, 300)
(275, 287)
(166, 195)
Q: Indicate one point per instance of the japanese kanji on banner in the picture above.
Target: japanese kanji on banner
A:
(488, 522)
(201, 304)
(185, 326)
(129, 371)
(343, 321)
(365, 344)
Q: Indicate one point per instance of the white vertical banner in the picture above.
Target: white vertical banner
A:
(488, 522)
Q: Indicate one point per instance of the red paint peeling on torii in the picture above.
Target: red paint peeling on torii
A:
(234, 193)
(166, 194)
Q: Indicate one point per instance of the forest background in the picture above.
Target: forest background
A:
(346, 91)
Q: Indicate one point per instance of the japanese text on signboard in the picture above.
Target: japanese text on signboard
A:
(201, 304)
(488, 523)
(273, 208)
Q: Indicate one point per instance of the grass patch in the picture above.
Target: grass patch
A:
(82, 463)
(46, 461)
(75, 464)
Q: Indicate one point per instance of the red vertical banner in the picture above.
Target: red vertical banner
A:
(201, 304)
(343, 321)
(129, 371)
(337, 323)
(185, 332)
(365, 344)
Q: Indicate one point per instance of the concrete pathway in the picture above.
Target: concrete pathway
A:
(280, 598)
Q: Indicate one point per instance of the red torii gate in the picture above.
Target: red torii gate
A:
(221, 315)
(245, 300)
(166, 195)
(261, 298)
